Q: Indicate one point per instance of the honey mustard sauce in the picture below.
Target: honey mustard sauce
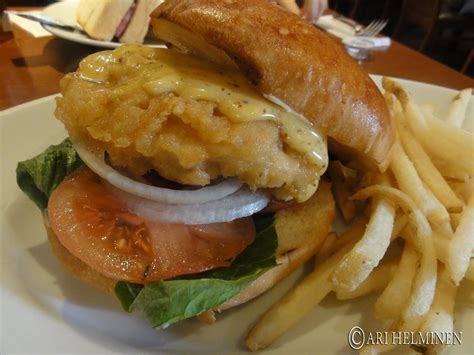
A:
(164, 70)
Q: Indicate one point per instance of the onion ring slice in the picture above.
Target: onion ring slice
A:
(154, 193)
(242, 203)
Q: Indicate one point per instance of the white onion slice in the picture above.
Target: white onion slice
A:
(242, 203)
(158, 194)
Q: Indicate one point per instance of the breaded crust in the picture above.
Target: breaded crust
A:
(287, 58)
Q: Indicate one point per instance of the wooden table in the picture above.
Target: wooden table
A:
(31, 68)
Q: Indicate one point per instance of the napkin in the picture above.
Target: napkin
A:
(347, 33)
(335, 27)
(28, 25)
(367, 42)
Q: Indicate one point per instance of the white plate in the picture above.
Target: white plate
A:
(44, 309)
(66, 12)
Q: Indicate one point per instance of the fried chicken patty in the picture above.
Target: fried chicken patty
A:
(156, 109)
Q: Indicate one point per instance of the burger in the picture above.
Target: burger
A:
(192, 178)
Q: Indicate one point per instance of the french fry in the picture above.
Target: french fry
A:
(432, 168)
(353, 233)
(461, 245)
(367, 253)
(440, 317)
(428, 108)
(443, 149)
(457, 110)
(455, 219)
(422, 162)
(470, 270)
(400, 198)
(343, 181)
(428, 172)
(421, 236)
(424, 284)
(367, 179)
(390, 101)
(415, 324)
(377, 280)
(295, 305)
(394, 297)
(457, 136)
(441, 244)
(436, 145)
(463, 189)
(398, 226)
(445, 229)
(410, 183)
(450, 172)
(425, 138)
(326, 249)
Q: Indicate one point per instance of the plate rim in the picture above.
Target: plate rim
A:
(47, 99)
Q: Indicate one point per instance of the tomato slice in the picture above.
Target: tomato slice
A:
(98, 229)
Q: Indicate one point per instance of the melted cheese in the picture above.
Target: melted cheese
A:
(161, 70)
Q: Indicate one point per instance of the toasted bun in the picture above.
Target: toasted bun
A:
(78, 268)
(301, 230)
(290, 60)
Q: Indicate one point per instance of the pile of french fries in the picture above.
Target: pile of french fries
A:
(424, 204)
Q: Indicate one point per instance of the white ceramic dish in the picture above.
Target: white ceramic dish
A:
(66, 12)
(45, 310)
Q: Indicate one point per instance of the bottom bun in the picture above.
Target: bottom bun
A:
(78, 268)
(301, 230)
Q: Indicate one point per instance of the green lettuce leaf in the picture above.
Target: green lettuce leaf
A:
(127, 292)
(162, 302)
(165, 302)
(39, 176)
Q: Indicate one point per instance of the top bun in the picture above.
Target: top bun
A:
(289, 60)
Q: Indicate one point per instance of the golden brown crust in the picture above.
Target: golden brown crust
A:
(289, 59)
(306, 223)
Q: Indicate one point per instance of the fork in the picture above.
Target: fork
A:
(373, 29)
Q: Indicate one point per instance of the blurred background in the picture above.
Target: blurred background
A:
(441, 29)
